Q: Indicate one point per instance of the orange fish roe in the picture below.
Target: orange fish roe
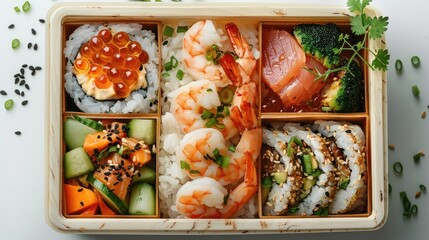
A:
(112, 60)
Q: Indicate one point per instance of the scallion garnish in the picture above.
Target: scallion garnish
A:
(226, 95)
(414, 209)
(226, 112)
(226, 161)
(26, 6)
(180, 74)
(293, 209)
(8, 104)
(184, 165)
(181, 29)
(422, 187)
(168, 66)
(415, 61)
(215, 47)
(168, 31)
(232, 148)
(344, 183)
(16, 8)
(398, 66)
(209, 90)
(397, 168)
(165, 74)
(326, 109)
(416, 91)
(206, 114)
(210, 55)
(194, 171)
(174, 61)
(211, 122)
(417, 156)
(15, 43)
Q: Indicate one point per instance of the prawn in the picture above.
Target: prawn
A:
(200, 38)
(207, 198)
(189, 102)
(244, 104)
(204, 153)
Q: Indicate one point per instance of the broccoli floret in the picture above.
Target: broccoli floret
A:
(319, 41)
(346, 92)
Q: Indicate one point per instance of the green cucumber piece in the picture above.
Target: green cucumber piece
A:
(308, 183)
(142, 199)
(266, 185)
(293, 141)
(280, 177)
(111, 198)
(143, 129)
(90, 123)
(344, 183)
(307, 163)
(75, 133)
(77, 163)
(145, 174)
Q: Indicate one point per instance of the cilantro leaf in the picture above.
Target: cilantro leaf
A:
(365, 3)
(377, 27)
(381, 60)
(359, 24)
(357, 5)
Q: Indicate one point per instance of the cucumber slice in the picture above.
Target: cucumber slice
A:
(75, 133)
(89, 122)
(143, 129)
(280, 177)
(77, 163)
(142, 200)
(145, 174)
(111, 199)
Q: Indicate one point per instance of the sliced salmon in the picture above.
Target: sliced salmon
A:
(302, 87)
(282, 58)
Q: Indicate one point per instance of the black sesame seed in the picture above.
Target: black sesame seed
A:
(29, 45)
(17, 92)
(31, 67)
(129, 167)
(327, 194)
(24, 102)
(116, 183)
(118, 138)
(3, 92)
(18, 133)
(22, 83)
(11, 26)
(42, 20)
(35, 47)
(128, 175)
(165, 43)
(38, 68)
(139, 174)
(165, 99)
(106, 178)
(21, 76)
(16, 80)
(22, 71)
(33, 73)
(109, 139)
(120, 178)
(102, 166)
(82, 204)
(27, 86)
(24, 65)
(107, 173)
(122, 163)
(22, 94)
(116, 132)
(348, 131)
(80, 190)
(33, 31)
(150, 104)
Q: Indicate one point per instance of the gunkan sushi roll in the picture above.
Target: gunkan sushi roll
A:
(112, 68)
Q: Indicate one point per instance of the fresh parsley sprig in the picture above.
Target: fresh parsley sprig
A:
(368, 27)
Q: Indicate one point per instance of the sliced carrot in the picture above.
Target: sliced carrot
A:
(78, 199)
(95, 142)
(91, 211)
(105, 210)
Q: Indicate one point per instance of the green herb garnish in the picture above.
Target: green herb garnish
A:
(180, 74)
(415, 61)
(414, 209)
(181, 29)
(398, 65)
(15, 43)
(422, 187)
(293, 209)
(185, 165)
(232, 148)
(17, 9)
(397, 168)
(417, 156)
(26, 6)
(168, 31)
(416, 91)
(194, 172)
(8, 104)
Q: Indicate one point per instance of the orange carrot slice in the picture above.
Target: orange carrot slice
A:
(78, 199)
(95, 142)
(91, 211)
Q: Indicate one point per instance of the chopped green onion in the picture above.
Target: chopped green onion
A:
(206, 114)
(398, 65)
(414, 209)
(416, 91)
(306, 159)
(232, 148)
(210, 55)
(422, 187)
(168, 66)
(226, 95)
(26, 6)
(390, 188)
(165, 74)
(415, 61)
(290, 146)
(174, 61)
(194, 171)
(8, 104)
(180, 74)
(15, 43)
(184, 165)
(226, 161)
(209, 90)
(168, 31)
(344, 183)
(216, 152)
(267, 181)
(181, 29)
(326, 109)
(215, 47)
(16, 8)
(317, 173)
(293, 209)
(220, 126)
(106, 152)
(417, 156)
(226, 112)
(405, 201)
(397, 168)
(225, 199)
(407, 214)
(321, 212)
(211, 122)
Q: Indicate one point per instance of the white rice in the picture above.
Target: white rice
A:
(139, 101)
(172, 177)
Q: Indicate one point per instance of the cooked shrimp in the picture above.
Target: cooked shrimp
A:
(244, 105)
(201, 149)
(189, 102)
(205, 197)
(196, 41)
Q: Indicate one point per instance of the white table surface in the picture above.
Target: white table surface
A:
(22, 157)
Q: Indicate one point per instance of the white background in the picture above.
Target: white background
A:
(22, 159)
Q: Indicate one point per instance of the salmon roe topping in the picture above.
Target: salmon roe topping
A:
(112, 59)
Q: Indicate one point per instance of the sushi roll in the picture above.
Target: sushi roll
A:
(112, 68)
(308, 184)
(347, 143)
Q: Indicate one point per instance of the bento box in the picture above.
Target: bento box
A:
(132, 161)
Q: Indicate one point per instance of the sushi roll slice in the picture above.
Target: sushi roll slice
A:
(302, 172)
(112, 68)
(347, 143)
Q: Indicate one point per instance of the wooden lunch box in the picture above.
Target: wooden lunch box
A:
(63, 18)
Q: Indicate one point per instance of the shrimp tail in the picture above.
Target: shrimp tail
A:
(231, 68)
(243, 117)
